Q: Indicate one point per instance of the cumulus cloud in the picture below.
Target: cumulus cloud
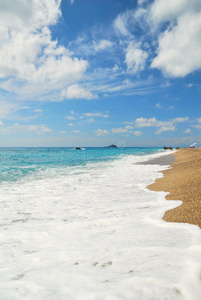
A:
(143, 122)
(162, 10)
(27, 52)
(164, 125)
(77, 92)
(100, 132)
(119, 130)
(135, 57)
(179, 49)
(137, 133)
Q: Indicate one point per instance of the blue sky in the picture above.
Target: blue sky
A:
(96, 72)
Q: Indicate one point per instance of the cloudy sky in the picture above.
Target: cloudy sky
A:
(96, 72)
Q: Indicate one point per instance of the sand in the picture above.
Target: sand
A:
(183, 182)
(161, 160)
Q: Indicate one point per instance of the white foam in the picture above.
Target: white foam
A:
(95, 233)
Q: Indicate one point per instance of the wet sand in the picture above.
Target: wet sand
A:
(162, 160)
(183, 182)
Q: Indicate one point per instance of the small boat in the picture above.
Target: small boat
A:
(78, 148)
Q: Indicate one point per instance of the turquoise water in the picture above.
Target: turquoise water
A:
(17, 163)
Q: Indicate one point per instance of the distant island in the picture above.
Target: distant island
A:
(112, 146)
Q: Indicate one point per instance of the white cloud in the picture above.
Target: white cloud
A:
(100, 132)
(137, 133)
(179, 50)
(120, 24)
(39, 129)
(163, 10)
(71, 124)
(1, 123)
(187, 130)
(164, 125)
(170, 127)
(99, 114)
(143, 122)
(102, 45)
(63, 131)
(37, 110)
(135, 57)
(198, 125)
(76, 131)
(72, 112)
(27, 52)
(180, 120)
(153, 122)
(129, 127)
(45, 129)
(141, 2)
(119, 130)
(70, 118)
(77, 92)
(84, 45)
(33, 14)
(158, 105)
(7, 108)
(16, 128)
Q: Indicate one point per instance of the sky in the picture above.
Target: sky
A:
(100, 72)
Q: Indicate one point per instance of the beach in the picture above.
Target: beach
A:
(82, 225)
(183, 182)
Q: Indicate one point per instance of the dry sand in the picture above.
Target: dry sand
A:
(183, 182)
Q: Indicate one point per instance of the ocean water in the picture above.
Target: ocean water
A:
(82, 225)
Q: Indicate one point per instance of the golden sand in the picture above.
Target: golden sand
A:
(183, 182)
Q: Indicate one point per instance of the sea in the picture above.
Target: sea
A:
(82, 225)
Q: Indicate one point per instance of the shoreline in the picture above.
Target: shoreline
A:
(183, 182)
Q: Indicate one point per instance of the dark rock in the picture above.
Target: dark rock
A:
(177, 148)
(167, 148)
(112, 146)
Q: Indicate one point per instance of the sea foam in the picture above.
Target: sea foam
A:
(95, 232)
